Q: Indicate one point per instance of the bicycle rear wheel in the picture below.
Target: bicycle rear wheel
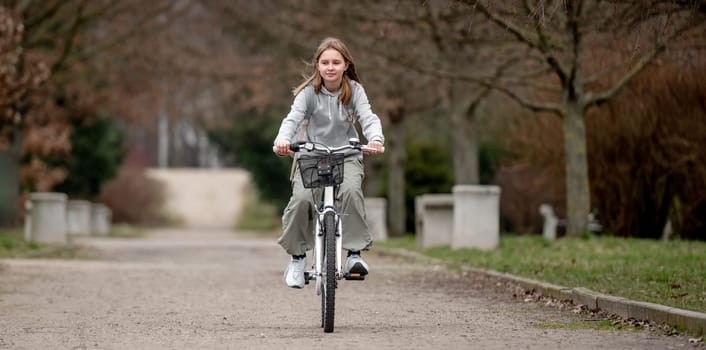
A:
(328, 297)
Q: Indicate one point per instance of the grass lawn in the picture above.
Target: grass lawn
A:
(259, 215)
(13, 245)
(669, 273)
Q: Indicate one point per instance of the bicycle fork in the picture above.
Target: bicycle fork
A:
(328, 206)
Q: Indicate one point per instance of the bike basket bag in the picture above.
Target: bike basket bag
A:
(321, 171)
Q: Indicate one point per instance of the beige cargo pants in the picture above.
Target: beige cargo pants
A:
(298, 217)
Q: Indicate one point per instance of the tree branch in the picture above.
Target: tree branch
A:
(49, 12)
(516, 31)
(133, 31)
(437, 39)
(646, 59)
(531, 105)
(69, 42)
(540, 43)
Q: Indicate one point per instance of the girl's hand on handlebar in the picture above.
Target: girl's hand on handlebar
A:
(282, 148)
(376, 148)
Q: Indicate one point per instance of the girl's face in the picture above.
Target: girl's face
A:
(331, 67)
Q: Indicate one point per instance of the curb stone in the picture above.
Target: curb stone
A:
(693, 322)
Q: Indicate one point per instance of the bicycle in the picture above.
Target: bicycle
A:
(324, 169)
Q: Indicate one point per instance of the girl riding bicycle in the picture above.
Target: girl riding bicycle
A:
(326, 106)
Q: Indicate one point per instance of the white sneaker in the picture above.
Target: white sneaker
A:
(294, 274)
(356, 266)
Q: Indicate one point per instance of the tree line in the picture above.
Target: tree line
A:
(579, 96)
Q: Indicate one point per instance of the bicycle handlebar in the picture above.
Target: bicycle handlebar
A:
(321, 148)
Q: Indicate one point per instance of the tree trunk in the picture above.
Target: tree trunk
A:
(397, 157)
(10, 180)
(465, 145)
(578, 200)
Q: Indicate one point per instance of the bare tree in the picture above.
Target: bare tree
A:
(454, 44)
(74, 39)
(19, 76)
(569, 45)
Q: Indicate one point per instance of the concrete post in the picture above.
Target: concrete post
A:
(476, 217)
(433, 220)
(550, 222)
(78, 217)
(45, 220)
(101, 217)
(376, 216)
(28, 220)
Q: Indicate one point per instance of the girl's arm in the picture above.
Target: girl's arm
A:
(290, 123)
(369, 121)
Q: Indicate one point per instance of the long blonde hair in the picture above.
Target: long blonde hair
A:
(315, 78)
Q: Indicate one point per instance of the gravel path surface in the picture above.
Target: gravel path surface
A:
(215, 289)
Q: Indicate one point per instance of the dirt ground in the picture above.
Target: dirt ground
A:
(218, 289)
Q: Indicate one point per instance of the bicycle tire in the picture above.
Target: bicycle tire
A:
(329, 294)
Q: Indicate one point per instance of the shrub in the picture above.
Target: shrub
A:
(134, 198)
(96, 154)
(429, 169)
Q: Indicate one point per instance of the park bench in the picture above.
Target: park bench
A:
(467, 218)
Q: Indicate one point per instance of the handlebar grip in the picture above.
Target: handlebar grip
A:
(294, 147)
(382, 150)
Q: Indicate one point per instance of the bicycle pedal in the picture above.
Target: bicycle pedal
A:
(354, 277)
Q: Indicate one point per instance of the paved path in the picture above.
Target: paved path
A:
(215, 289)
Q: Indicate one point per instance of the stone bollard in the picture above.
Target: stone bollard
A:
(45, 220)
(376, 216)
(434, 220)
(78, 217)
(550, 222)
(101, 217)
(476, 217)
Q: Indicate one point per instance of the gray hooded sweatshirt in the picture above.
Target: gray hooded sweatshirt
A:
(330, 121)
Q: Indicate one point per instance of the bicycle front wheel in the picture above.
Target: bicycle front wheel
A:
(328, 297)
